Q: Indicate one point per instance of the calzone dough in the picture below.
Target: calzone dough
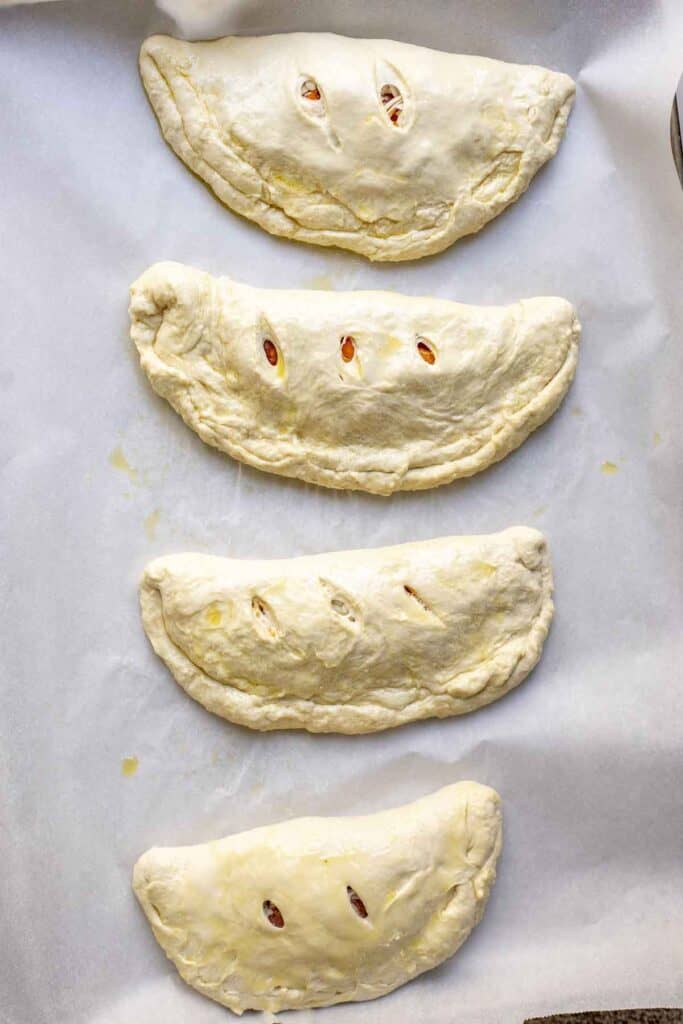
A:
(390, 150)
(353, 641)
(360, 390)
(325, 910)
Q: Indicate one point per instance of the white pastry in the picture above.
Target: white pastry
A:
(325, 910)
(353, 641)
(390, 150)
(361, 390)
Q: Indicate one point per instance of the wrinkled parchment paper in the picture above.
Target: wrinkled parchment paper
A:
(99, 475)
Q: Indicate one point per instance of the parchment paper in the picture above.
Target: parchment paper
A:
(99, 475)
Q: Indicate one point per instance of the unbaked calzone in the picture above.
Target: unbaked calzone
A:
(353, 641)
(388, 149)
(357, 390)
(317, 911)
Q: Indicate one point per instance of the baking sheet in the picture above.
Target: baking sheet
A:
(99, 475)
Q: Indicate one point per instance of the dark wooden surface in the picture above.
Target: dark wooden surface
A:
(677, 138)
(652, 1016)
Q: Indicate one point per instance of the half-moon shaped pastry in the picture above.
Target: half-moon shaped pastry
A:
(353, 641)
(391, 150)
(317, 911)
(360, 390)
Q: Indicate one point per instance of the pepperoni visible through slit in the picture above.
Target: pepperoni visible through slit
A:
(392, 101)
(356, 902)
(273, 914)
(426, 351)
(271, 351)
(348, 348)
(310, 90)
